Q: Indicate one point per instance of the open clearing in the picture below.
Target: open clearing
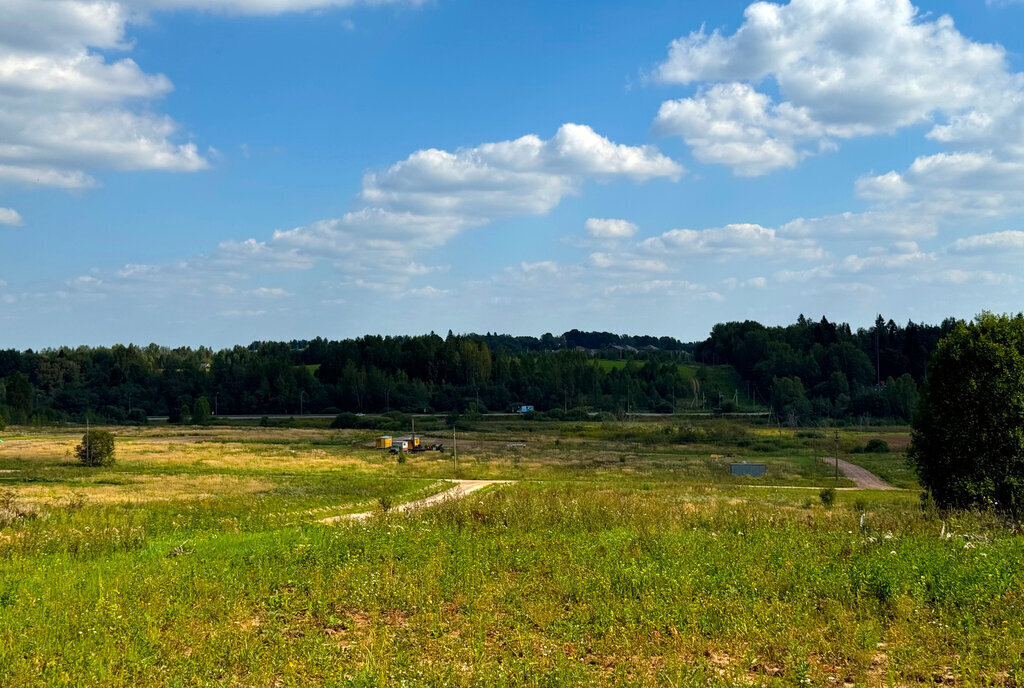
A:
(624, 554)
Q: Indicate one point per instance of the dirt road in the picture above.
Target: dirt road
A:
(862, 477)
(460, 489)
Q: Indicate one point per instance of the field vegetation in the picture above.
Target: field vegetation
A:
(624, 555)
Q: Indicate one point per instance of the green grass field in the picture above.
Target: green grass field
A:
(624, 555)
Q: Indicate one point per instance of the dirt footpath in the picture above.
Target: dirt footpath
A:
(862, 477)
(460, 489)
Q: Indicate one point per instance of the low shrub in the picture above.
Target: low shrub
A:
(344, 420)
(874, 446)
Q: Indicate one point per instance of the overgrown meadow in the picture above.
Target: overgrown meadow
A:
(625, 555)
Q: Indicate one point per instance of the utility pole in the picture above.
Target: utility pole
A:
(455, 452)
(837, 456)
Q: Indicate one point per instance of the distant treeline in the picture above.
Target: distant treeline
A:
(803, 371)
(370, 374)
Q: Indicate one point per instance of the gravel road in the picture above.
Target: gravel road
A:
(862, 477)
(460, 489)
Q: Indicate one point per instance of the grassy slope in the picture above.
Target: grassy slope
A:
(651, 571)
(550, 585)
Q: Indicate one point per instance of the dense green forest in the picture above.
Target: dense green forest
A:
(811, 370)
(802, 372)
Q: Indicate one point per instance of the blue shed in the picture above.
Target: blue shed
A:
(754, 470)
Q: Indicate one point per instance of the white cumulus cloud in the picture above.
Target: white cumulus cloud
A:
(69, 103)
(10, 217)
(736, 240)
(842, 68)
(609, 228)
(262, 7)
(995, 243)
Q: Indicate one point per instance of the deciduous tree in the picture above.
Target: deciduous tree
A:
(968, 440)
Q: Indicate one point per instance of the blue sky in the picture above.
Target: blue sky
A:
(219, 171)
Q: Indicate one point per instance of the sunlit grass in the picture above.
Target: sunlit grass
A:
(200, 559)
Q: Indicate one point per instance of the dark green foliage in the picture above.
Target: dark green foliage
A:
(827, 497)
(827, 371)
(96, 449)
(393, 420)
(968, 439)
(201, 414)
(790, 401)
(138, 417)
(874, 446)
(841, 370)
(345, 420)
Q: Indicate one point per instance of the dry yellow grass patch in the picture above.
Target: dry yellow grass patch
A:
(49, 449)
(231, 455)
(263, 448)
(142, 488)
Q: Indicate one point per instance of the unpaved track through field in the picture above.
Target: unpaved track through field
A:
(460, 489)
(862, 477)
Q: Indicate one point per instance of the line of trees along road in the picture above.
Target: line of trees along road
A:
(805, 371)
